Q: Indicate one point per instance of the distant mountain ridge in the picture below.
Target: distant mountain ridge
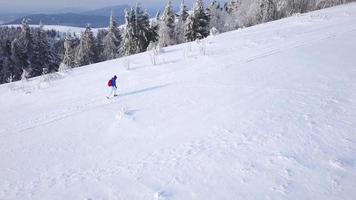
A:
(106, 11)
(8, 17)
(98, 18)
(67, 19)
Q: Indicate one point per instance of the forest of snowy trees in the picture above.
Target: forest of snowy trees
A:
(28, 52)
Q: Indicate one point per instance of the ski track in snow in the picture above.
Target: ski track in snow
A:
(52, 117)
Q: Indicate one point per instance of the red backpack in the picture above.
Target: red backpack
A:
(110, 83)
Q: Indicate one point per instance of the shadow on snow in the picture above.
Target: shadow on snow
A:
(145, 90)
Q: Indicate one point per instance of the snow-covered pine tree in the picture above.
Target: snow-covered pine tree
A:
(281, 8)
(128, 39)
(297, 6)
(137, 31)
(114, 26)
(154, 25)
(43, 57)
(111, 49)
(181, 20)
(158, 15)
(69, 54)
(229, 15)
(23, 47)
(19, 59)
(232, 6)
(215, 13)
(166, 27)
(8, 69)
(197, 26)
(154, 32)
(110, 42)
(86, 53)
(82, 56)
(320, 4)
(190, 28)
(142, 29)
(2, 73)
(99, 44)
(267, 11)
(93, 46)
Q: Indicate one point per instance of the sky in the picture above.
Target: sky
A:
(13, 6)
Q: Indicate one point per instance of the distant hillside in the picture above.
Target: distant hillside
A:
(106, 11)
(67, 19)
(97, 18)
(119, 11)
(8, 17)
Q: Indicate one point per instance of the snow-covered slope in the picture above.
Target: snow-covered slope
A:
(269, 112)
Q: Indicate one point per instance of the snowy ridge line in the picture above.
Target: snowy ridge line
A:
(296, 43)
(299, 44)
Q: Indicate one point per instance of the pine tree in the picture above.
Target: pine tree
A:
(158, 15)
(23, 47)
(111, 43)
(43, 57)
(166, 27)
(142, 29)
(6, 69)
(281, 8)
(128, 44)
(86, 53)
(230, 15)
(233, 6)
(297, 6)
(267, 11)
(154, 37)
(93, 46)
(197, 23)
(111, 48)
(69, 54)
(137, 32)
(154, 27)
(321, 4)
(114, 27)
(18, 58)
(215, 13)
(181, 20)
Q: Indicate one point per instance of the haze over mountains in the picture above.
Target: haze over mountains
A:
(96, 18)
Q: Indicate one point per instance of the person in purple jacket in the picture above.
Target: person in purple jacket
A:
(112, 84)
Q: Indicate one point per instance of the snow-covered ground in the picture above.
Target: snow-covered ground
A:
(267, 112)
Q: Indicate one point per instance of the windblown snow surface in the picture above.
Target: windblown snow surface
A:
(267, 112)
